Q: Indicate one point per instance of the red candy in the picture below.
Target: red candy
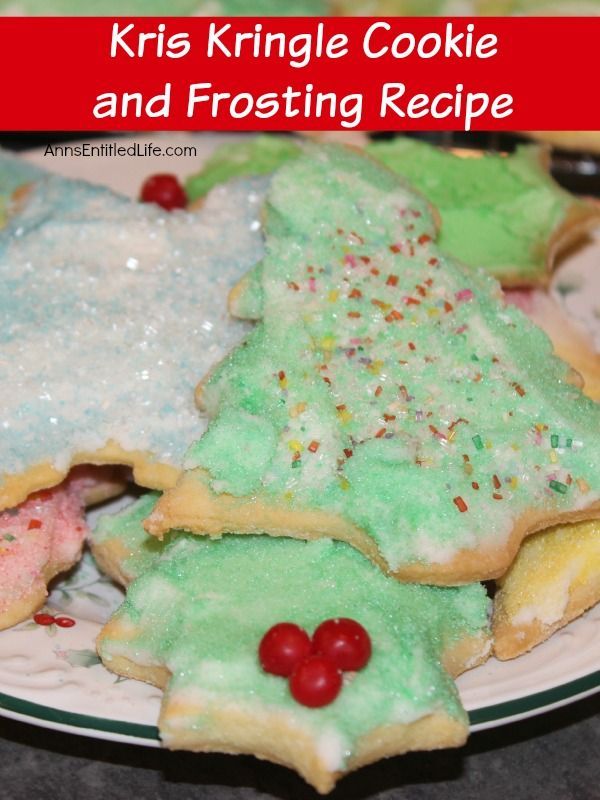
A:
(165, 190)
(316, 682)
(283, 648)
(64, 622)
(44, 619)
(344, 641)
(315, 667)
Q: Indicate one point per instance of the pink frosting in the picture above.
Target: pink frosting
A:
(47, 530)
(522, 298)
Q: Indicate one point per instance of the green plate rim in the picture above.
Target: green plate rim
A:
(478, 716)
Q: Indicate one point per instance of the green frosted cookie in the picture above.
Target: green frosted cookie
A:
(122, 547)
(387, 397)
(502, 213)
(193, 619)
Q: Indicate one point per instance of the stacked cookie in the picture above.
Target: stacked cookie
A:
(110, 311)
(380, 441)
(506, 215)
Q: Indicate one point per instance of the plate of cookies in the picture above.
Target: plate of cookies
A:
(298, 444)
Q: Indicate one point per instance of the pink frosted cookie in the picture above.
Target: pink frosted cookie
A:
(42, 537)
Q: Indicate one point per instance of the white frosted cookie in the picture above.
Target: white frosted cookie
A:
(197, 610)
(109, 309)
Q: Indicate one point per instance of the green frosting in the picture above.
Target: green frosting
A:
(256, 155)
(202, 607)
(140, 551)
(498, 212)
(386, 383)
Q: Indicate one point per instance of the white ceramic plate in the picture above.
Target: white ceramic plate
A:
(51, 676)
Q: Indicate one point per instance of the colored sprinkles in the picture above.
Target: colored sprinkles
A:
(559, 487)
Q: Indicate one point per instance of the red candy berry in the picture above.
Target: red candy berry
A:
(64, 622)
(165, 190)
(283, 648)
(344, 641)
(44, 619)
(316, 682)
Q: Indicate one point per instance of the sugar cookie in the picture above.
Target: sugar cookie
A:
(387, 397)
(502, 213)
(109, 311)
(43, 537)
(555, 578)
(192, 623)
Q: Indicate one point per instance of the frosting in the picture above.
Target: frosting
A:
(202, 608)
(256, 155)
(44, 534)
(551, 566)
(498, 212)
(386, 383)
(138, 551)
(109, 311)
(14, 172)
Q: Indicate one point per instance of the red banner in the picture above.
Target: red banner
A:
(299, 74)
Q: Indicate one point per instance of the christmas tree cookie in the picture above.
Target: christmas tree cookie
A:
(387, 396)
(502, 213)
(194, 618)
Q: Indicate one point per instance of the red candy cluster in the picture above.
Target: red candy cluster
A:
(314, 666)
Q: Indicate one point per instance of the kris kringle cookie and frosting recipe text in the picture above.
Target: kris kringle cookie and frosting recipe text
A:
(247, 42)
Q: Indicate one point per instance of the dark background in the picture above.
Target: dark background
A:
(551, 757)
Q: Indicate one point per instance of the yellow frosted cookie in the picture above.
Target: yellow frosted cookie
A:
(556, 574)
(555, 578)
